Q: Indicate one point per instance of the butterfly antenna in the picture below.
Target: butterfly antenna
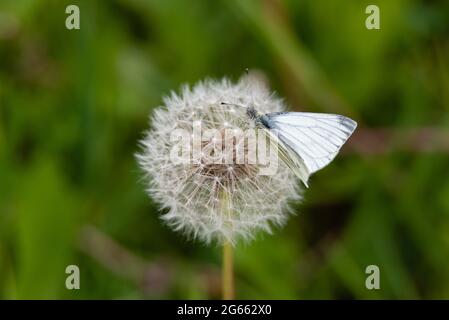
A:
(232, 104)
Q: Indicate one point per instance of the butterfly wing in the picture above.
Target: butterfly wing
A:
(289, 157)
(312, 139)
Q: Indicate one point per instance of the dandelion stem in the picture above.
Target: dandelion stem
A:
(228, 272)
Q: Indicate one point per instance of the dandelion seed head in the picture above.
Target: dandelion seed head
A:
(210, 201)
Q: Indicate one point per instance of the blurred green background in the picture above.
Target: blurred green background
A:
(74, 103)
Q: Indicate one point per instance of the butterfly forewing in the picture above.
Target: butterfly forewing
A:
(316, 138)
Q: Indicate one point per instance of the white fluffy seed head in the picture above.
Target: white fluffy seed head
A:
(209, 201)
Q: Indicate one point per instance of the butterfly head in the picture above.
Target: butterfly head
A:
(252, 113)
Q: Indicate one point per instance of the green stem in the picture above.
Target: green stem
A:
(228, 272)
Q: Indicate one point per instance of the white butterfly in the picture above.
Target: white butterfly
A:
(308, 141)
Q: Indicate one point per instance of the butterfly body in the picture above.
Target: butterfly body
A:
(259, 118)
